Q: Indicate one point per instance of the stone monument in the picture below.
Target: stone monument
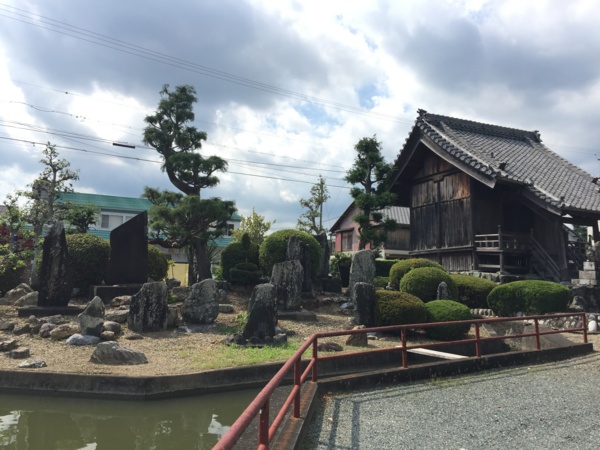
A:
(128, 261)
(56, 283)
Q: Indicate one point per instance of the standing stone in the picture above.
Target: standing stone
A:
(362, 269)
(149, 308)
(262, 313)
(443, 293)
(363, 297)
(56, 283)
(128, 261)
(287, 279)
(326, 253)
(91, 320)
(202, 304)
(298, 250)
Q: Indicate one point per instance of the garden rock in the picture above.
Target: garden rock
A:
(56, 319)
(112, 354)
(19, 329)
(122, 300)
(180, 293)
(149, 308)
(173, 318)
(56, 283)
(107, 336)
(64, 331)
(300, 251)
(119, 316)
(30, 299)
(262, 313)
(79, 339)
(134, 337)
(46, 329)
(91, 320)
(363, 297)
(287, 279)
(7, 344)
(202, 304)
(33, 364)
(226, 308)
(115, 327)
(15, 294)
(443, 293)
(7, 325)
(363, 268)
(19, 353)
(592, 326)
(358, 340)
(329, 347)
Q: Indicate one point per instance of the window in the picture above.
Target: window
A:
(110, 221)
(230, 228)
(347, 240)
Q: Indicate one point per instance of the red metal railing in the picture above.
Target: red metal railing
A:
(260, 405)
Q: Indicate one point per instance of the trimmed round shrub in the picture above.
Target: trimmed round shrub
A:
(423, 283)
(473, 291)
(447, 311)
(10, 278)
(158, 264)
(404, 266)
(383, 267)
(274, 247)
(398, 308)
(245, 274)
(529, 296)
(236, 253)
(89, 255)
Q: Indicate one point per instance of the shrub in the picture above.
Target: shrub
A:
(12, 268)
(245, 273)
(473, 291)
(235, 253)
(89, 255)
(423, 283)
(401, 268)
(528, 296)
(447, 311)
(383, 267)
(398, 308)
(158, 264)
(274, 247)
(381, 282)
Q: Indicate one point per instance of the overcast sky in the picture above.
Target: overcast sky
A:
(286, 88)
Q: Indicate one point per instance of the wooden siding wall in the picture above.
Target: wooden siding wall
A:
(398, 240)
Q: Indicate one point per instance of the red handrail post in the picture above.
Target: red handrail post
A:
(315, 357)
(585, 327)
(297, 383)
(537, 334)
(477, 341)
(263, 426)
(404, 355)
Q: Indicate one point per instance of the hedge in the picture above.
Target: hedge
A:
(274, 247)
(88, 254)
(236, 253)
(398, 308)
(423, 283)
(158, 264)
(401, 268)
(383, 267)
(473, 291)
(529, 297)
(447, 311)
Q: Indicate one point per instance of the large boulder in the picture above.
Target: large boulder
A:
(29, 299)
(56, 282)
(15, 294)
(202, 304)
(297, 250)
(111, 353)
(91, 320)
(149, 308)
(262, 313)
(287, 278)
(64, 331)
(363, 268)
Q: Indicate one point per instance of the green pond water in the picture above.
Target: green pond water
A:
(45, 423)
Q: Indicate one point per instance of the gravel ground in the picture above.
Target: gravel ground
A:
(546, 406)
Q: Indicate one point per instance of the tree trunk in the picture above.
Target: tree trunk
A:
(191, 270)
(203, 271)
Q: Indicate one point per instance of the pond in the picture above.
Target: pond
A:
(34, 423)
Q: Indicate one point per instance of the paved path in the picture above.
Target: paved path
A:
(548, 406)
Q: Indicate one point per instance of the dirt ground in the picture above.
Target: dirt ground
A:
(173, 352)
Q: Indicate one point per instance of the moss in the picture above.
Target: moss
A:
(398, 308)
(423, 283)
(473, 291)
(401, 268)
(447, 311)
(529, 296)
(273, 250)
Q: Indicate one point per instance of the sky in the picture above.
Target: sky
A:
(286, 88)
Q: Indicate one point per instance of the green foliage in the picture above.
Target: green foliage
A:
(273, 250)
(370, 176)
(398, 308)
(338, 260)
(529, 296)
(383, 266)
(89, 255)
(12, 266)
(314, 208)
(236, 253)
(15, 245)
(255, 226)
(447, 311)
(381, 282)
(402, 267)
(218, 273)
(423, 282)
(78, 218)
(158, 264)
(245, 273)
(473, 291)
(241, 320)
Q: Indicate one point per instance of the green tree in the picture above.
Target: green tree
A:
(314, 208)
(255, 226)
(78, 217)
(369, 175)
(193, 221)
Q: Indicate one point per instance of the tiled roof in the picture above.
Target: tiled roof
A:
(500, 153)
(398, 213)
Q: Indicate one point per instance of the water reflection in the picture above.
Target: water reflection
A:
(32, 423)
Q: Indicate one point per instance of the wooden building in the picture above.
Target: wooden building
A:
(490, 198)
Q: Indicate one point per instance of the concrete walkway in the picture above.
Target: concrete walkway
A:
(546, 406)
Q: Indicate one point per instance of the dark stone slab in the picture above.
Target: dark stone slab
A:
(44, 311)
(107, 293)
(56, 282)
(128, 261)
